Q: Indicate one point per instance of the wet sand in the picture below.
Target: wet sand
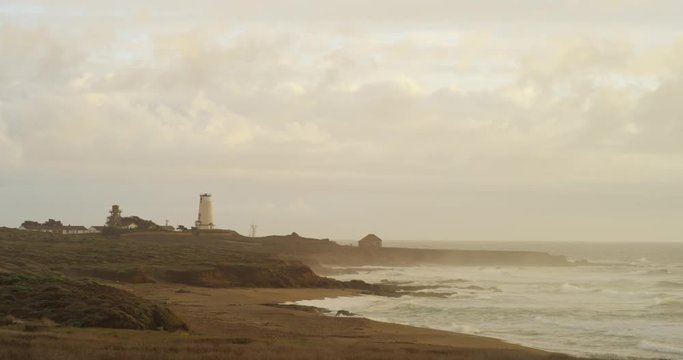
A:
(244, 313)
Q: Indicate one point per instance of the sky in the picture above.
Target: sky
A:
(434, 119)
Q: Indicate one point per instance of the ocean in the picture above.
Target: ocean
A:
(629, 306)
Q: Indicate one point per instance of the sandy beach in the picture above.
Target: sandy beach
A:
(244, 312)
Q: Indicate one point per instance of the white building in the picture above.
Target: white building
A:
(69, 229)
(95, 229)
(205, 217)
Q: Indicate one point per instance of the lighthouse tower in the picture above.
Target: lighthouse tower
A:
(205, 218)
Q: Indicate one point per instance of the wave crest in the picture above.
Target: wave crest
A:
(661, 348)
(571, 288)
(464, 329)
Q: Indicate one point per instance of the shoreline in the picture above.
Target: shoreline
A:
(222, 319)
(249, 312)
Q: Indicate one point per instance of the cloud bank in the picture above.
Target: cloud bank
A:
(442, 121)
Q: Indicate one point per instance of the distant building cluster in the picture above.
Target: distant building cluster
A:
(115, 220)
(68, 229)
(56, 227)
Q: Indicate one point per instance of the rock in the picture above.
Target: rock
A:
(345, 313)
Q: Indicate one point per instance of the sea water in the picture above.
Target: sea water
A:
(629, 306)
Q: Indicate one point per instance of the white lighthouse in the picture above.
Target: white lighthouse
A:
(205, 218)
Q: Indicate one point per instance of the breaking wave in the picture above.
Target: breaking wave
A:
(661, 348)
(605, 311)
(463, 328)
(571, 288)
(669, 302)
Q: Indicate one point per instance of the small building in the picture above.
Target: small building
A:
(371, 241)
(69, 229)
(95, 229)
(41, 228)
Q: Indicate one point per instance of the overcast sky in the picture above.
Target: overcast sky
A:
(431, 119)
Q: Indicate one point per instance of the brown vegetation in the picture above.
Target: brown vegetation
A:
(271, 273)
(212, 260)
(80, 304)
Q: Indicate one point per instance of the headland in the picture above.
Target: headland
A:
(223, 287)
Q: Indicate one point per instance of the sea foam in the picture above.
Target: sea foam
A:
(658, 347)
(584, 311)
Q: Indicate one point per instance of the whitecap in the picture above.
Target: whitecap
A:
(464, 329)
(571, 288)
(586, 326)
(659, 347)
(669, 302)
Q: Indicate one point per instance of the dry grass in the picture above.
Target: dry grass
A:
(37, 252)
(214, 260)
(71, 344)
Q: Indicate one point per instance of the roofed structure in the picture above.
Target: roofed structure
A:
(69, 229)
(370, 241)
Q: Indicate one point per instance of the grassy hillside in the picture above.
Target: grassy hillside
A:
(222, 258)
(211, 260)
(37, 252)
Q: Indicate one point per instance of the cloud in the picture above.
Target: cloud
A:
(10, 150)
(201, 98)
(659, 125)
(379, 12)
(410, 105)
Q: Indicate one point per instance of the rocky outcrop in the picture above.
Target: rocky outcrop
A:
(276, 274)
(131, 276)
